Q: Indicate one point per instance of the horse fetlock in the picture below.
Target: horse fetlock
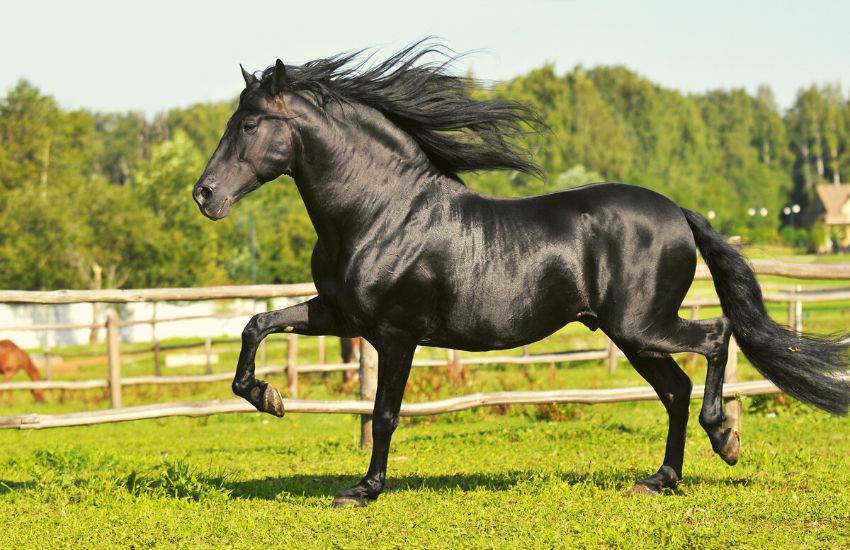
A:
(665, 478)
(243, 388)
(711, 421)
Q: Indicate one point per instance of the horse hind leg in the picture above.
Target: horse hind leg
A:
(710, 338)
(725, 441)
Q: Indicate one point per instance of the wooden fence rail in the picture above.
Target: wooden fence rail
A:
(300, 369)
(117, 296)
(761, 267)
(364, 407)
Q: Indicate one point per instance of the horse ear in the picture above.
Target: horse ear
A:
(279, 77)
(249, 78)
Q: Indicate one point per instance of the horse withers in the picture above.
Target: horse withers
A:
(12, 360)
(407, 255)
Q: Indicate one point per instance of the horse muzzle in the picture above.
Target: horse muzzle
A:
(210, 205)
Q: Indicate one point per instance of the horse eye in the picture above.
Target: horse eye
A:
(249, 127)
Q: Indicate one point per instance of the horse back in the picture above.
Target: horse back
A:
(515, 270)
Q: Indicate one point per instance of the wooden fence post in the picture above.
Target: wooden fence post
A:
(455, 368)
(321, 350)
(263, 357)
(798, 311)
(208, 353)
(795, 312)
(792, 312)
(694, 312)
(292, 365)
(157, 370)
(47, 369)
(612, 356)
(692, 356)
(368, 387)
(114, 355)
(730, 376)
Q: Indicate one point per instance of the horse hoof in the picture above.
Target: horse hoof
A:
(731, 448)
(348, 502)
(272, 401)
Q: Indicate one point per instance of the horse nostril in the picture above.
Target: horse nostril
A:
(203, 194)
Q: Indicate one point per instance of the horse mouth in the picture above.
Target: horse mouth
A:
(218, 213)
(216, 210)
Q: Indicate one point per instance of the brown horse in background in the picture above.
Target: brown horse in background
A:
(350, 350)
(14, 359)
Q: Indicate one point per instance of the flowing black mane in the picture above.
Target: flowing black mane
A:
(456, 132)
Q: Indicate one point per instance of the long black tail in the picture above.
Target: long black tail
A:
(813, 369)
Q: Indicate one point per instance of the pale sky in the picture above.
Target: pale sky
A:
(154, 55)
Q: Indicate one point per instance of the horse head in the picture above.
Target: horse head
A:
(257, 146)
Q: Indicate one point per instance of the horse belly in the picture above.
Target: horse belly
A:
(499, 311)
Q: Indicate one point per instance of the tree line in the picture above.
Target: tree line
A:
(91, 199)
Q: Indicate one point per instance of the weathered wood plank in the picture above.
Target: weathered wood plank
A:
(362, 407)
(157, 294)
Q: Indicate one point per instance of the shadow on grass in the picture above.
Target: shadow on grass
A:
(326, 486)
(720, 481)
(271, 488)
(7, 486)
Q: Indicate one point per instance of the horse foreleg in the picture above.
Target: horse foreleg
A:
(312, 317)
(394, 360)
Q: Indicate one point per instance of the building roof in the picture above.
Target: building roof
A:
(834, 207)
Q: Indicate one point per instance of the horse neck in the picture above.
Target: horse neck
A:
(356, 165)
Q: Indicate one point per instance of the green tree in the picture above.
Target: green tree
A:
(203, 123)
(188, 253)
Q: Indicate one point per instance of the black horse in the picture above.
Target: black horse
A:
(408, 255)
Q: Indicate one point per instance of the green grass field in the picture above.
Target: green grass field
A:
(474, 479)
(548, 476)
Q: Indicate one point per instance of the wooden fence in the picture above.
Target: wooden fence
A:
(368, 363)
(363, 407)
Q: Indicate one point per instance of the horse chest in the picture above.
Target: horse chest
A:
(382, 290)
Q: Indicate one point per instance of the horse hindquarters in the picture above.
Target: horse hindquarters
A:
(642, 258)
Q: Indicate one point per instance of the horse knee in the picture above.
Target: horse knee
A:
(252, 328)
(678, 398)
(242, 387)
(384, 423)
(711, 419)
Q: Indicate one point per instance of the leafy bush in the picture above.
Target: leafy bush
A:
(176, 479)
(797, 237)
(777, 404)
